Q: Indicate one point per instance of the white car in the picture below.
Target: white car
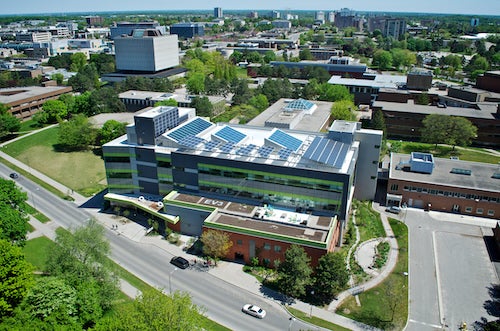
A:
(254, 311)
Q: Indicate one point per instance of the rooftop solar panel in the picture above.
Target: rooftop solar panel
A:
(320, 147)
(341, 156)
(191, 141)
(211, 145)
(227, 147)
(285, 140)
(312, 147)
(284, 153)
(229, 134)
(190, 129)
(264, 151)
(327, 151)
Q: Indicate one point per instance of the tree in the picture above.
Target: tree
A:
(378, 122)
(60, 61)
(259, 102)
(382, 59)
(203, 106)
(56, 110)
(216, 244)
(344, 110)
(294, 272)
(78, 61)
(14, 221)
(77, 133)
(330, 92)
(110, 130)
(196, 83)
(82, 260)
(16, 277)
(8, 123)
(105, 100)
(105, 63)
(154, 311)
(450, 130)
(169, 102)
(52, 297)
(330, 277)
(305, 54)
(86, 79)
(58, 77)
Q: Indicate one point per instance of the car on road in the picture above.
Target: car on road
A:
(394, 209)
(180, 262)
(14, 175)
(254, 310)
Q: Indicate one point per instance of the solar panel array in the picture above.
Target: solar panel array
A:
(284, 139)
(327, 151)
(229, 134)
(192, 128)
(211, 145)
(264, 151)
(191, 141)
(227, 147)
(284, 153)
(246, 150)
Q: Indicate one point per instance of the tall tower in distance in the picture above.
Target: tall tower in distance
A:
(218, 12)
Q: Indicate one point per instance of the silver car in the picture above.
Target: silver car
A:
(254, 311)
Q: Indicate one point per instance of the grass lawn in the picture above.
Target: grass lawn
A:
(385, 306)
(368, 221)
(241, 72)
(315, 321)
(37, 251)
(81, 171)
(466, 154)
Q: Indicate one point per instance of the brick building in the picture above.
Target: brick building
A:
(422, 181)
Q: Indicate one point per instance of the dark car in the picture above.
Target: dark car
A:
(14, 175)
(180, 262)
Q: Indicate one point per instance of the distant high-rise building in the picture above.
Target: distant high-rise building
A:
(394, 28)
(275, 14)
(187, 29)
(253, 14)
(94, 20)
(218, 12)
(331, 17)
(146, 51)
(319, 16)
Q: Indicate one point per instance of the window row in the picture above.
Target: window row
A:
(450, 194)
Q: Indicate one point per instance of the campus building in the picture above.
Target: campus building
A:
(26, 101)
(146, 51)
(421, 180)
(168, 150)
(127, 28)
(188, 30)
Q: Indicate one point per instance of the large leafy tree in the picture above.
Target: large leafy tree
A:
(382, 59)
(8, 123)
(450, 130)
(203, 106)
(105, 63)
(87, 79)
(78, 61)
(295, 272)
(13, 220)
(110, 130)
(330, 276)
(344, 110)
(196, 83)
(56, 110)
(77, 133)
(216, 244)
(82, 261)
(154, 311)
(329, 92)
(16, 277)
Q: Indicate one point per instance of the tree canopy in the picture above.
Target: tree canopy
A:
(344, 110)
(13, 221)
(295, 272)
(216, 244)
(450, 130)
(330, 276)
(8, 123)
(76, 134)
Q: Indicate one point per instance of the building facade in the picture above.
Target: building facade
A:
(422, 181)
(146, 51)
(188, 30)
(126, 28)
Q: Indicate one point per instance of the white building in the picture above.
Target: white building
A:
(146, 50)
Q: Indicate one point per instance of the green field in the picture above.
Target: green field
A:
(81, 171)
(386, 305)
(37, 251)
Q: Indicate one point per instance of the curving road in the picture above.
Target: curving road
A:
(222, 301)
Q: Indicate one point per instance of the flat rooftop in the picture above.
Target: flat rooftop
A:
(265, 218)
(387, 81)
(488, 112)
(314, 122)
(480, 178)
(15, 94)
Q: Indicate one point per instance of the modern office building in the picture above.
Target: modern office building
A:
(146, 51)
(218, 13)
(126, 28)
(422, 181)
(188, 30)
(282, 24)
(299, 170)
(489, 81)
(24, 102)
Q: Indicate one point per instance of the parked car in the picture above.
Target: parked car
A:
(14, 175)
(180, 262)
(254, 311)
(394, 209)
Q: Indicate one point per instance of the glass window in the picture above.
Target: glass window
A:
(394, 187)
(479, 211)
(267, 246)
(277, 248)
(491, 212)
(239, 242)
(468, 209)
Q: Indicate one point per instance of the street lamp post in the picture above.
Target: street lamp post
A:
(311, 310)
(170, 280)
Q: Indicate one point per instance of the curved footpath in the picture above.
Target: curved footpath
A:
(227, 271)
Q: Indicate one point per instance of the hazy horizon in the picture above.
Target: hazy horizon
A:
(32, 7)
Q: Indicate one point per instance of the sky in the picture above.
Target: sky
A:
(472, 7)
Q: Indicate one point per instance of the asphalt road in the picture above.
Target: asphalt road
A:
(222, 301)
(450, 272)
